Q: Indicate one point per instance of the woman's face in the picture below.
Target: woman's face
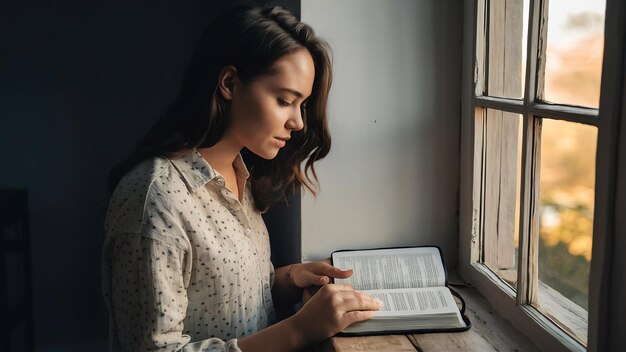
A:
(265, 111)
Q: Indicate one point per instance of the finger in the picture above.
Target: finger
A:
(337, 273)
(312, 279)
(357, 315)
(320, 273)
(359, 301)
(324, 268)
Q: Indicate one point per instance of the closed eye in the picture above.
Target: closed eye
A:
(283, 102)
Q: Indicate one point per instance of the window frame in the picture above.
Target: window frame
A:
(526, 318)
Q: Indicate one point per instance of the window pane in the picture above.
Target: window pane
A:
(574, 52)
(508, 21)
(502, 144)
(568, 152)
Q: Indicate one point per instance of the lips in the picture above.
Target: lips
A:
(282, 141)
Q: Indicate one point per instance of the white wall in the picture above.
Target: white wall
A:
(392, 176)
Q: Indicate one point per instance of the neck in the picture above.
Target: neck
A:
(221, 155)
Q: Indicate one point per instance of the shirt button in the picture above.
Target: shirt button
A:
(220, 181)
(248, 231)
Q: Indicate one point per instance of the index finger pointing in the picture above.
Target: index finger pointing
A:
(335, 272)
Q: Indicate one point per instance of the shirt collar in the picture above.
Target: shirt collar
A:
(240, 168)
(197, 172)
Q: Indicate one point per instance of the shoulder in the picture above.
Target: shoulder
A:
(153, 186)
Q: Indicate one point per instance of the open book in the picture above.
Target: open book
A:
(412, 284)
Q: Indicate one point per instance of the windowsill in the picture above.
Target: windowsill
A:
(556, 307)
(489, 332)
(527, 319)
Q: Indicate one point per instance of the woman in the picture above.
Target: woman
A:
(186, 260)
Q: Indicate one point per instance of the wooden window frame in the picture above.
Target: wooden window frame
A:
(528, 319)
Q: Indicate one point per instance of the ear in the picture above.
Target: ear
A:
(227, 80)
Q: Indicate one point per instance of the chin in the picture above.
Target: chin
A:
(266, 154)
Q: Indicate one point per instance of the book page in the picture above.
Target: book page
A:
(392, 268)
(412, 309)
(414, 301)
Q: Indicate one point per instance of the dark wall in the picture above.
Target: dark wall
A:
(80, 82)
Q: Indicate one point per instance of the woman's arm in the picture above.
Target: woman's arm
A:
(329, 311)
(284, 292)
(148, 298)
(146, 286)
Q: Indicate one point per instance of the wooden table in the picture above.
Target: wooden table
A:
(489, 332)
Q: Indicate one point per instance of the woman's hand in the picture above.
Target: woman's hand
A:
(316, 274)
(330, 310)
(297, 282)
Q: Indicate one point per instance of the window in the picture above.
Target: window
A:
(534, 135)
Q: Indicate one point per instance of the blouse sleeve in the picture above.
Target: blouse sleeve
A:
(149, 299)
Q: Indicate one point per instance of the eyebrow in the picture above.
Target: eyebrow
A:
(292, 91)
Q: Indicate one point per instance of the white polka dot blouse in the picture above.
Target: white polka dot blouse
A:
(185, 265)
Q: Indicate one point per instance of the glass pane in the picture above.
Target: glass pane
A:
(502, 143)
(568, 152)
(574, 52)
(506, 57)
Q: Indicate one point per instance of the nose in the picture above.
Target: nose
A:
(296, 121)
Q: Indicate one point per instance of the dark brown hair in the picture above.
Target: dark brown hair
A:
(251, 39)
